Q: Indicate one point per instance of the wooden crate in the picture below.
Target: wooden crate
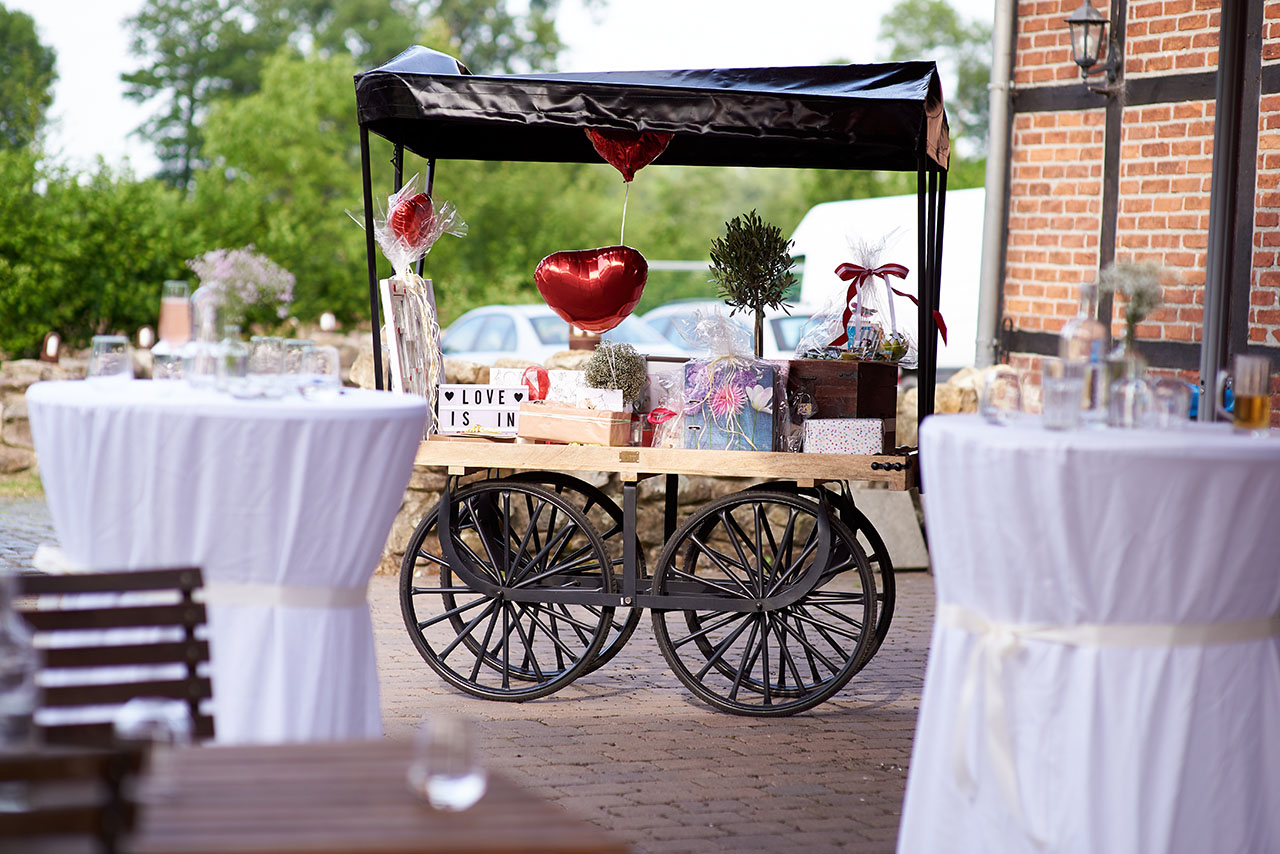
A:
(844, 388)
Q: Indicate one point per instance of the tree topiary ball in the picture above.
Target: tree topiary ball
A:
(617, 365)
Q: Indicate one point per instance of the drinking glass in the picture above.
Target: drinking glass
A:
(1001, 398)
(445, 765)
(322, 374)
(1251, 388)
(1170, 405)
(109, 359)
(174, 331)
(294, 364)
(1062, 391)
(162, 725)
(1129, 404)
(266, 363)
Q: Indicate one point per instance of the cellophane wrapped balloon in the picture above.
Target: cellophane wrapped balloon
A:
(410, 226)
(728, 396)
(666, 409)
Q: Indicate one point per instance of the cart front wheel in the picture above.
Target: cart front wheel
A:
(517, 537)
(770, 662)
(606, 516)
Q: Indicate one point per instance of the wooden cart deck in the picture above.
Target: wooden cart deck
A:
(461, 457)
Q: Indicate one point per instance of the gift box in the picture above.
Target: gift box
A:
(555, 422)
(845, 436)
(729, 404)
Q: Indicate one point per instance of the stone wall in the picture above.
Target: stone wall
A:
(16, 451)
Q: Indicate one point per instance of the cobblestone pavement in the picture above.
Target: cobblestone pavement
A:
(629, 749)
(24, 524)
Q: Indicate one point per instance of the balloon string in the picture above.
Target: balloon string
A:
(622, 236)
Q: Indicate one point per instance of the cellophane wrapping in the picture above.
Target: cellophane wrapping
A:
(406, 231)
(728, 396)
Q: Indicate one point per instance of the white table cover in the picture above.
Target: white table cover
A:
(1116, 740)
(284, 504)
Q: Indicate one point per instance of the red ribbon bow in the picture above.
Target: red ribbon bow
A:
(857, 275)
(660, 415)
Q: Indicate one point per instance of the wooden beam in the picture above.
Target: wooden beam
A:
(633, 463)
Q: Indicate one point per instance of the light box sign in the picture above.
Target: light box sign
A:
(480, 408)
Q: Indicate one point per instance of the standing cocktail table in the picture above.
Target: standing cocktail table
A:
(285, 504)
(1104, 674)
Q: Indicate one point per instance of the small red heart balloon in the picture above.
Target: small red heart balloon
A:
(412, 219)
(537, 380)
(629, 151)
(594, 289)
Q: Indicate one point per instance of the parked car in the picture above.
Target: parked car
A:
(782, 329)
(535, 332)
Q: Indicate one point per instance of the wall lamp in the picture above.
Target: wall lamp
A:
(1088, 36)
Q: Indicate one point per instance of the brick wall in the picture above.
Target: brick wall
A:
(1166, 150)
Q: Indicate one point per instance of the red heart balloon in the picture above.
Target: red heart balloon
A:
(537, 380)
(629, 151)
(594, 289)
(412, 219)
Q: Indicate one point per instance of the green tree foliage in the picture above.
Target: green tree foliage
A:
(193, 53)
(918, 29)
(82, 254)
(27, 75)
(288, 158)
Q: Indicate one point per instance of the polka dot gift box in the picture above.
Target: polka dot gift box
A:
(844, 436)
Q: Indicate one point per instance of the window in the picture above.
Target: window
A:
(550, 329)
(461, 336)
(499, 333)
(787, 330)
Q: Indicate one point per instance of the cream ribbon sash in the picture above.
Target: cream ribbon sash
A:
(267, 595)
(996, 644)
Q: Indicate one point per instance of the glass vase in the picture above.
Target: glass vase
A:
(1086, 340)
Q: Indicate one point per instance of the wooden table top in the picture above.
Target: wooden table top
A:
(336, 798)
(459, 457)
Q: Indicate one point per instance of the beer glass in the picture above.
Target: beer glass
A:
(1251, 388)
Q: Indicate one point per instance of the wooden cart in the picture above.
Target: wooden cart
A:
(765, 601)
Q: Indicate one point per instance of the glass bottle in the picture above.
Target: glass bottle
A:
(199, 356)
(174, 331)
(233, 362)
(1086, 339)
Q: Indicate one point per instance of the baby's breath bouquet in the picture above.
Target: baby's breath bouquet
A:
(250, 288)
(1140, 286)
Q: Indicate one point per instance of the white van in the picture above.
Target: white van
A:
(823, 239)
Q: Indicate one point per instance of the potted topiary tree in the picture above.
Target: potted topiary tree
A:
(751, 267)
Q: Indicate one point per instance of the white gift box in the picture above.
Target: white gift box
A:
(844, 436)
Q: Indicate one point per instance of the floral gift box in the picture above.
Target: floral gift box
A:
(729, 404)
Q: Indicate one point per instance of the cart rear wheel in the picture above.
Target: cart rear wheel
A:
(872, 545)
(751, 546)
(603, 513)
(517, 537)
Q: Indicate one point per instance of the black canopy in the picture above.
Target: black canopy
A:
(883, 116)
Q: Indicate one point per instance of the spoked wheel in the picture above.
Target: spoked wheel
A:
(606, 516)
(753, 546)
(515, 537)
(873, 547)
